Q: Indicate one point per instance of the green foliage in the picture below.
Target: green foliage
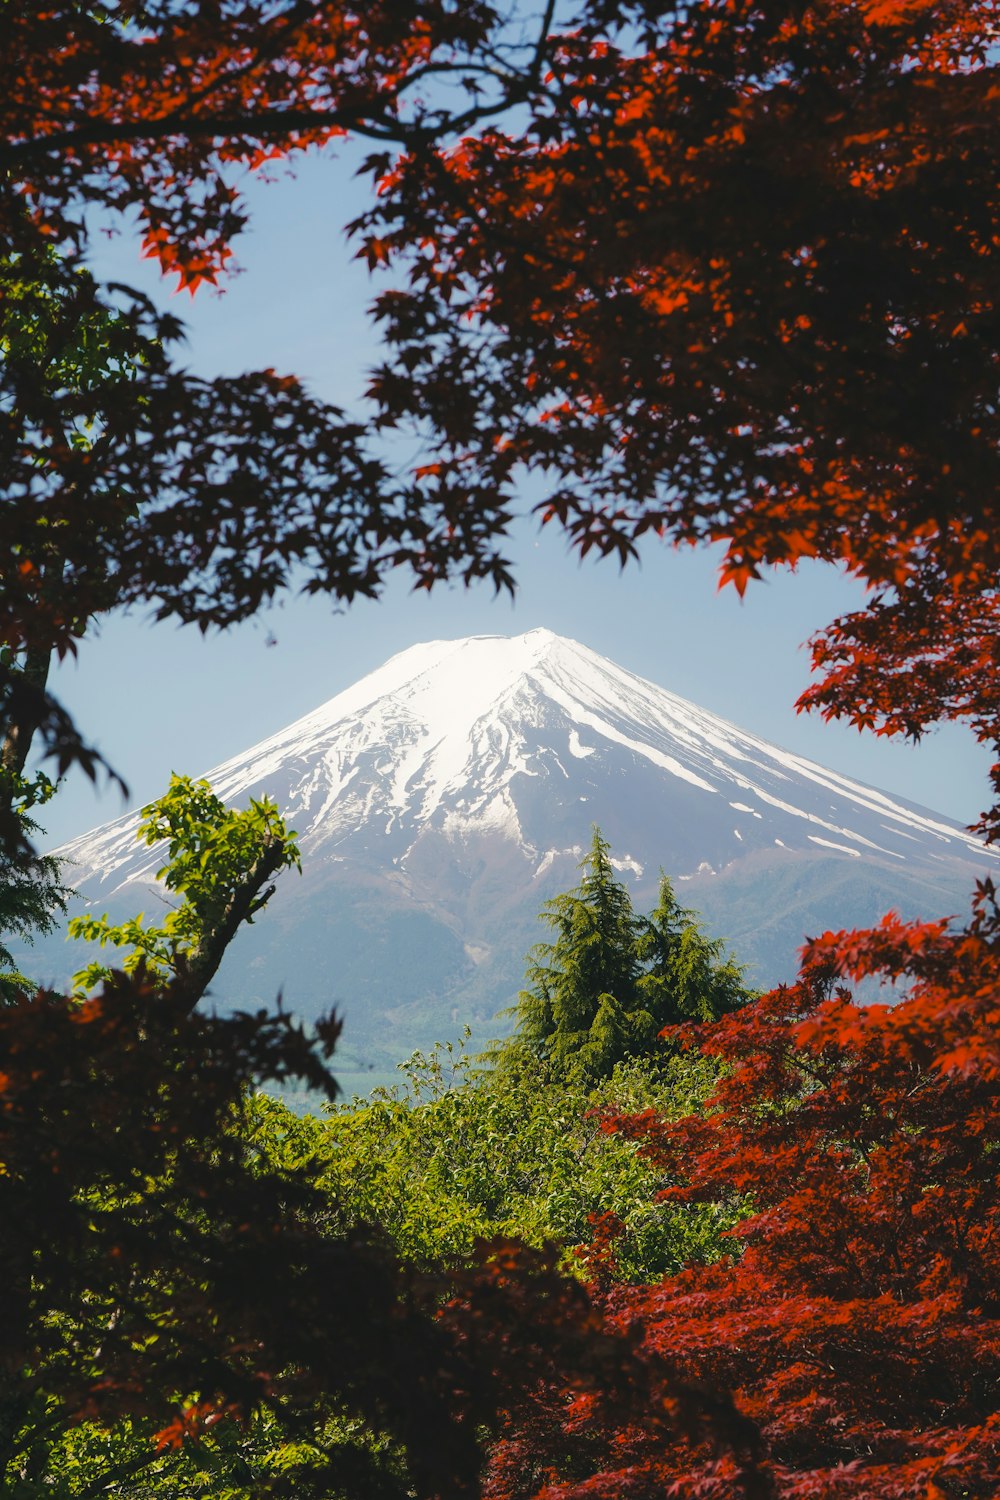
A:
(68, 360)
(688, 975)
(228, 1460)
(162, 1209)
(32, 895)
(458, 1156)
(218, 860)
(608, 984)
(581, 1011)
(51, 321)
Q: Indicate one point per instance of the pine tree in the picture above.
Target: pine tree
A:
(32, 894)
(581, 1010)
(689, 977)
(609, 982)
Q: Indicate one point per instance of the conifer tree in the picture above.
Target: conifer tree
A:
(581, 1011)
(689, 977)
(32, 894)
(607, 984)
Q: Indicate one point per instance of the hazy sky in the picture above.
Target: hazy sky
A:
(156, 698)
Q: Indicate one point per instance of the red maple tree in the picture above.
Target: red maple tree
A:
(857, 1323)
(721, 270)
(732, 277)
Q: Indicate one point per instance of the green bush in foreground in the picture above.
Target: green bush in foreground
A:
(457, 1155)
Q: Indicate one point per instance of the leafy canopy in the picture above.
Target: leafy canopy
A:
(716, 271)
(219, 860)
(456, 1157)
(857, 1327)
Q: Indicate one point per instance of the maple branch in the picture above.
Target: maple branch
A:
(374, 126)
(538, 57)
(108, 132)
(265, 52)
(27, 709)
(24, 719)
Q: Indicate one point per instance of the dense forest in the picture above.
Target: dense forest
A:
(721, 270)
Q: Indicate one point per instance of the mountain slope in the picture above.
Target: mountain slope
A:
(443, 797)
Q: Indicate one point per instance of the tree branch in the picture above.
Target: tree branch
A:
(197, 969)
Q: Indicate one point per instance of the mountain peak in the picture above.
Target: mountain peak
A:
(494, 734)
(454, 789)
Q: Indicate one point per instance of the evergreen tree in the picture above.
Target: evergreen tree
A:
(32, 895)
(581, 1010)
(688, 975)
(609, 982)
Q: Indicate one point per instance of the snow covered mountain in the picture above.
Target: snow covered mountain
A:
(443, 797)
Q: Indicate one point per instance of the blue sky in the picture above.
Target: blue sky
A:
(156, 698)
